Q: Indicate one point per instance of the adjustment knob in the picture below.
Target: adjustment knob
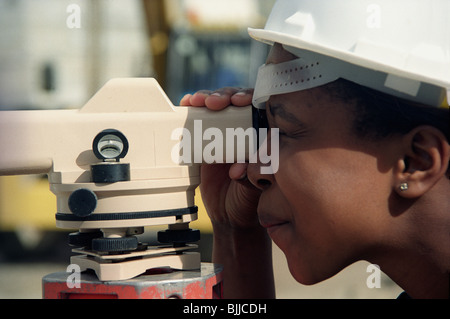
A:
(121, 244)
(178, 237)
(82, 202)
(110, 172)
(83, 239)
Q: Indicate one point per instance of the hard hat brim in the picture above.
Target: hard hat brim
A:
(271, 37)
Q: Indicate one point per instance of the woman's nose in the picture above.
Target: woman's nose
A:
(261, 171)
(259, 180)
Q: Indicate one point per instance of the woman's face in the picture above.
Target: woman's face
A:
(328, 202)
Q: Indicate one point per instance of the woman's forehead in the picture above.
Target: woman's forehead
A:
(318, 96)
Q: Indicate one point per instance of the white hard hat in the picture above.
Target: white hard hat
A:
(399, 47)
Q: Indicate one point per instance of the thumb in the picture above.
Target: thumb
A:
(238, 171)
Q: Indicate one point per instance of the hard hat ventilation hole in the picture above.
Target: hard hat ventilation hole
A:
(290, 76)
(297, 81)
(296, 69)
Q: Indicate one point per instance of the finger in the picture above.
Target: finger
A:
(238, 173)
(199, 98)
(196, 99)
(221, 98)
(186, 100)
(242, 97)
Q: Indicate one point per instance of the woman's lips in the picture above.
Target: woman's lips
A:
(272, 225)
(268, 221)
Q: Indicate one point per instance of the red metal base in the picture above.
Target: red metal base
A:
(203, 284)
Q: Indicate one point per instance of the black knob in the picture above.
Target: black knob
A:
(122, 244)
(110, 172)
(82, 202)
(181, 236)
(83, 239)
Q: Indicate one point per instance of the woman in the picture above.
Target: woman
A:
(363, 175)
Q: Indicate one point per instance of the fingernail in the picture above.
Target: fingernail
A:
(243, 176)
(240, 93)
(216, 94)
(204, 93)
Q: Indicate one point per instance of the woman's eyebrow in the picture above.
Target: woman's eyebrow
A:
(279, 110)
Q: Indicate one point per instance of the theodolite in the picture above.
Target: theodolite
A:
(116, 166)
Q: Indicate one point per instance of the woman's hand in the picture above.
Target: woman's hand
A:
(228, 196)
(240, 244)
(219, 99)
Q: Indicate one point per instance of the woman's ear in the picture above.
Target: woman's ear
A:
(426, 155)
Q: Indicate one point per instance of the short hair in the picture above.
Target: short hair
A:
(379, 115)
